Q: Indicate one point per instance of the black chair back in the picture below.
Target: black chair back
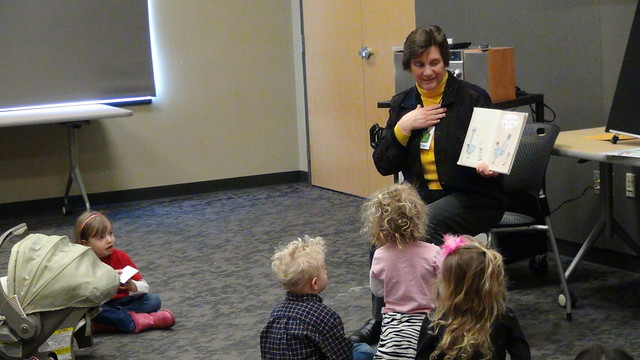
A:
(530, 164)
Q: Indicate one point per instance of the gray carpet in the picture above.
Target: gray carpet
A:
(208, 257)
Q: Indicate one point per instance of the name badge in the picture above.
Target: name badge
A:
(427, 137)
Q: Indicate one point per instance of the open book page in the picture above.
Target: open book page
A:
(493, 138)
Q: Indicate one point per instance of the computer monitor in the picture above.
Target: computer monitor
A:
(624, 117)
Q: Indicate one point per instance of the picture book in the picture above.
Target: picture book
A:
(493, 138)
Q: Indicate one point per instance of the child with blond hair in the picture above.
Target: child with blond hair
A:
(301, 326)
(133, 309)
(403, 267)
(472, 320)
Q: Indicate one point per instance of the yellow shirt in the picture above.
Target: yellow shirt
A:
(427, 157)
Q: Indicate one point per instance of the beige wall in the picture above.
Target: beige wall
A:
(226, 106)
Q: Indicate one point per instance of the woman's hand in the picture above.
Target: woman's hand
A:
(421, 118)
(483, 170)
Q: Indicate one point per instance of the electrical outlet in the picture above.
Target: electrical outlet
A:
(596, 181)
(630, 185)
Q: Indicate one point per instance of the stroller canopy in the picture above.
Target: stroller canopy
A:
(50, 273)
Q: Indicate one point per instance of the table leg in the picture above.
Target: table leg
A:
(621, 232)
(606, 216)
(74, 168)
(607, 224)
(606, 197)
(595, 233)
(612, 226)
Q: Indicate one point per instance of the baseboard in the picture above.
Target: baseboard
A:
(601, 256)
(43, 206)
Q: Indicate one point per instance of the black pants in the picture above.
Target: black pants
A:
(455, 213)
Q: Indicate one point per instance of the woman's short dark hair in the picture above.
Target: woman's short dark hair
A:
(599, 352)
(422, 39)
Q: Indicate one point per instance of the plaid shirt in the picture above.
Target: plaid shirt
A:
(302, 327)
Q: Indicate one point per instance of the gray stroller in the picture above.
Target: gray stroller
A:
(51, 290)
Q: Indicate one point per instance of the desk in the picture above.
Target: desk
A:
(529, 99)
(575, 144)
(73, 117)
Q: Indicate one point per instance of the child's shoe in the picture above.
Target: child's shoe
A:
(143, 321)
(163, 319)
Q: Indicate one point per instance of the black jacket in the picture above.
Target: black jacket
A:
(459, 98)
(506, 336)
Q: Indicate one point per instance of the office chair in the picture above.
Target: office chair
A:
(527, 180)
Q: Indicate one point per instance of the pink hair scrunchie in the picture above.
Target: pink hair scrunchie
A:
(452, 243)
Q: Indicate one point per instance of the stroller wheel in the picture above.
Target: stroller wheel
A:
(54, 357)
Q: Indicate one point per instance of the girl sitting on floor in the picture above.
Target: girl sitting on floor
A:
(133, 309)
(471, 320)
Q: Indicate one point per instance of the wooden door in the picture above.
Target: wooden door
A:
(385, 25)
(343, 89)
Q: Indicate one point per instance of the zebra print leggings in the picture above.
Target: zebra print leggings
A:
(399, 336)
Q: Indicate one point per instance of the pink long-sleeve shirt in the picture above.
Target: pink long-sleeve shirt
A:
(404, 277)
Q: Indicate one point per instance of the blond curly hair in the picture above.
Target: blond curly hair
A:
(395, 215)
(298, 262)
(471, 294)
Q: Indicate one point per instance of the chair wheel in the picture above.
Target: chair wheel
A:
(538, 265)
(67, 209)
(562, 299)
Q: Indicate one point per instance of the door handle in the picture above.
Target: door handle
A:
(365, 53)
